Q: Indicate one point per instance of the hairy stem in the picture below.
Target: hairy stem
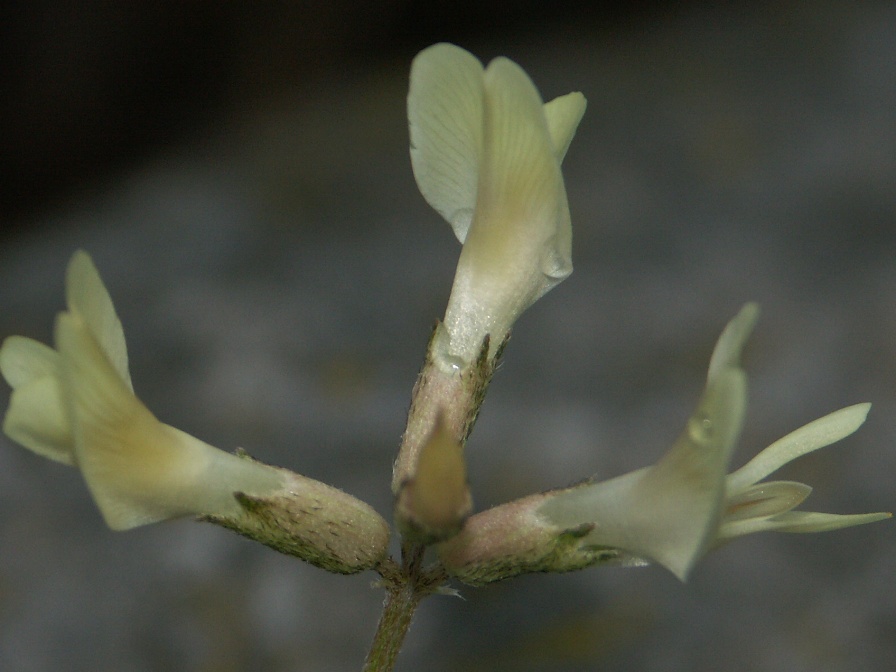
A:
(399, 607)
(405, 586)
(452, 397)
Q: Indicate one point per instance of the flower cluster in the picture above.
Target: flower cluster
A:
(486, 154)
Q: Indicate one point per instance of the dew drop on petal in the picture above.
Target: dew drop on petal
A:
(701, 429)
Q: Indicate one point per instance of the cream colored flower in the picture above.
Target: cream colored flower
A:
(76, 405)
(674, 512)
(486, 154)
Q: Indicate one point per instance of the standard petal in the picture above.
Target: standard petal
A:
(139, 470)
(519, 244)
(563, 115)
(521, 192)
(817, 434)
(445, 118)
(86, 294)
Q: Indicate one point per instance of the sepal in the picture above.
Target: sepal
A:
(310, 520)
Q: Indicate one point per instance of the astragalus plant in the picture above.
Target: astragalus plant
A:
(486, 153)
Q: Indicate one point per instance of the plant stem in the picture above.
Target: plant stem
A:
(452, 398)
(406, 586)
(398, 610)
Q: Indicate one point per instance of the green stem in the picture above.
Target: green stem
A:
(398, 610)
(406, 586)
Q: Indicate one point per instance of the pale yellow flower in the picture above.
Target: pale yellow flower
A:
(486, 154)
(76, 405)
(674, 512)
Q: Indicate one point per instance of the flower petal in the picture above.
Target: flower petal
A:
(563, 115)
(137, 469)
(764, 500)
(521, 193)
(24, 359)
(445, 117)
(669, 512)
(817, 434)
(519, 243)
(38, 420)
(86, 294)
(36, 417)
(811, 521)
(798, 522)
(731, 343)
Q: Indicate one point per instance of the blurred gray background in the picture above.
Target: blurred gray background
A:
(240, 175)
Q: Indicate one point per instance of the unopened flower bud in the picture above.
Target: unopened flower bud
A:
(434, 503)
